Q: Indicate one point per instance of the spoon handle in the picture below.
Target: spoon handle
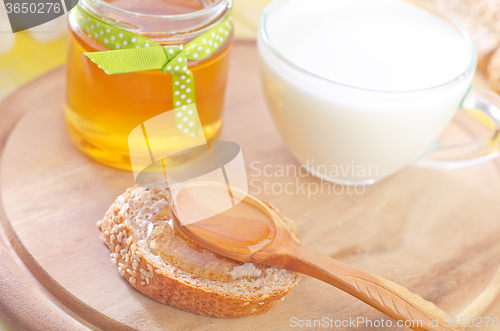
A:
(389, 298)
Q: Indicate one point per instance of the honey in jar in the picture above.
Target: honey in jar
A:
(101, 110)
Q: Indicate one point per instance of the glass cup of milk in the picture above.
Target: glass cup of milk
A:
(360, 89)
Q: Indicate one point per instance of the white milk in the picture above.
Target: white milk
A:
(382, 48)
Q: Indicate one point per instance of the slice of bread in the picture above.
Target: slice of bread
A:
(137, 232)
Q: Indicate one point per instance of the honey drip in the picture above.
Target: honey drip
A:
(161, 7)
(245, 227)
(173, 247)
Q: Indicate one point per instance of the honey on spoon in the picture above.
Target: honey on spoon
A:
(248, 231)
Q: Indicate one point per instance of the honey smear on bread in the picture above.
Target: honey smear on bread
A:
(166, 266)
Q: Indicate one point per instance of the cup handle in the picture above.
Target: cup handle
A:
(474, 152)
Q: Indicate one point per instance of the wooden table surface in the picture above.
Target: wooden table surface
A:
(434, 232)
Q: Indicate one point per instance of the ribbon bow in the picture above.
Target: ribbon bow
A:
(132, 52)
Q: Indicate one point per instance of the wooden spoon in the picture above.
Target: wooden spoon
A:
(249, 231)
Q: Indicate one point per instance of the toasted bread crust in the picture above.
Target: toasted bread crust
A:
(169, 285)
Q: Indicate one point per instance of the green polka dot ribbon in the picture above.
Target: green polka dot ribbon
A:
(130, 52)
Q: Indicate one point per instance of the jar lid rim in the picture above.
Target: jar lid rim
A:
(213, 7)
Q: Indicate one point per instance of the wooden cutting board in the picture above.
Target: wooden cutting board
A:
(435, 232)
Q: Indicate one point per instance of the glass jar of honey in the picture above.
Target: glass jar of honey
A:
(101, 110)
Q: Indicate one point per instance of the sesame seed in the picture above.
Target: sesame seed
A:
(134, 273)
(122, 265)
(129, 271)
(122, 273)
(261, 303)
(150, 268)
(147, 280)
(117, 249)
(135, 265)
(158, 271)
(112, 238)
(133, 247)
(143, 283)
(132, 280)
